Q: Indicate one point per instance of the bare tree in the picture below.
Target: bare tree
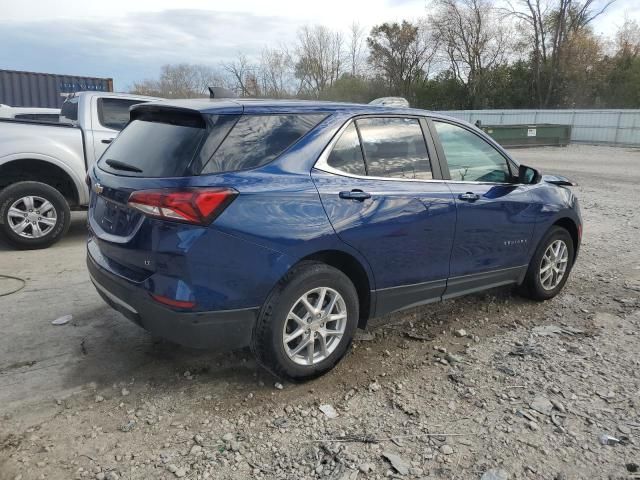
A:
(320, 59)
(276, 73)
(402, 53)
(181, 81)
(473, 38)
(628, 38)
(551, 25)
(243, 76)
(357, 46)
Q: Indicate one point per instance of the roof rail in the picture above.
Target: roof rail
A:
(390, 102)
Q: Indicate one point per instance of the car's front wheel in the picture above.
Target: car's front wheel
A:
(33, 215)
(550, 266)
(307, 323)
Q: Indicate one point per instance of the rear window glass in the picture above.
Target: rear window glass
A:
(165, 145)
(258, 139)
(161, 143)
(69, 110)
(113, 113)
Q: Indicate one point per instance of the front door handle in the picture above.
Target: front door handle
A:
(469, 197)
(107, 140)
(355, 195)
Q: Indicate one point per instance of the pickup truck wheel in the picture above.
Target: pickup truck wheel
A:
(33, 215)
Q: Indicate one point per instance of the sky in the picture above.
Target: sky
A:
(129, 40)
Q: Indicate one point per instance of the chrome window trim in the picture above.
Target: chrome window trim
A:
(322, 164)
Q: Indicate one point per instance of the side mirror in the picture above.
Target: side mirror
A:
(528, 175)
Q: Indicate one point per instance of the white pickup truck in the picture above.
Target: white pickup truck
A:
(43, 165)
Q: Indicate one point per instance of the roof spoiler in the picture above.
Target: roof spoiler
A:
(390, 102)
(220, 92)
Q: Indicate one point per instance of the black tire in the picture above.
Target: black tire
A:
(267, 342)
(532, 286)
(53, 233)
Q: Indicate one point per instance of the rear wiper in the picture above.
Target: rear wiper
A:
(118, 165)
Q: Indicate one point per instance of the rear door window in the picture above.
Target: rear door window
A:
(256, 140)
(394, 147)
(113, 113)
(346, 155)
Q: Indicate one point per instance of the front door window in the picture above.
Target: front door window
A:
(469, 157)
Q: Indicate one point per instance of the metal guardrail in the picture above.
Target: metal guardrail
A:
(596, 127)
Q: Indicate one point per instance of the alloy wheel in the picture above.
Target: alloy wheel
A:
(32, 216)
(554, 264)
(314, 326)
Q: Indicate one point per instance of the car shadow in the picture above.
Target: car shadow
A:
(112, 352)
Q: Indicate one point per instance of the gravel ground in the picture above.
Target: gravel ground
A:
(489, 386)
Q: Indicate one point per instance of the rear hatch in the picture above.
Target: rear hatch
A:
(155, 160)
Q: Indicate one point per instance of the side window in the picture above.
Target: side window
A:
(470, 158)
(346, 155)
(394, 147)
(114, 112)
(255, 140)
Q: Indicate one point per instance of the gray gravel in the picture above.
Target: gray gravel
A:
(491, 386)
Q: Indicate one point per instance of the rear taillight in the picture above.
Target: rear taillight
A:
(196, 205)
(170, 302)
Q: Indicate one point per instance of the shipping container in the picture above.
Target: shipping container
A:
(45, 90)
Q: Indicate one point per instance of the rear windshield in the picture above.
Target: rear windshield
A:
(113, 112)
(69, 110)
(165, 144)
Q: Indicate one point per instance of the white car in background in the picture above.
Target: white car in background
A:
(43, 164)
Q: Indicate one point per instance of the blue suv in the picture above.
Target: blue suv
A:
(286, 225)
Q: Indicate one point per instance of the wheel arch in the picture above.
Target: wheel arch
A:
(40, 170)
(355, 271)
(570, 225)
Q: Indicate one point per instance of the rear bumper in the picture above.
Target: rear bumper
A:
(221, 330)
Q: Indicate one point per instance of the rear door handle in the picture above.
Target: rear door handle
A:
(107, 140)
(355, 195)
(469, 197)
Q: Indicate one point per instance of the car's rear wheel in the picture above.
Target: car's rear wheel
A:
(550, 266)
(307, 323)
(33, 215)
